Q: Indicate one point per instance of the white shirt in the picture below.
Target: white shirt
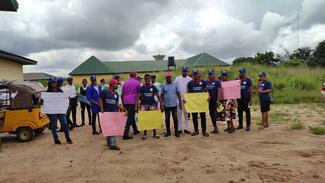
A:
(181, 83)
(70, 90)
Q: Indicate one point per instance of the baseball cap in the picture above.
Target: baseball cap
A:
(133, 74)
(242, 70)
(195, 71)
(262, 74)
(224, 72)
(60, 80)
(52, 80)
(211, 72)
(184, 69)
(92, 78)
(139, 77)
(112, 82)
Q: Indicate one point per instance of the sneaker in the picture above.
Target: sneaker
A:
(69, 141)
(180, 131)
(240, 127)
(187, 132)
(231, 130)
(156, 136)
(144, 137)
(136, 133)
(205, 134)
(195, 133)
(95, 133)
(227, 129)
(57, 142)
(167, 134)
(177, 135)
(247, 128)
(215, 132)
(114, 147)
(77, 126)
(127, 138)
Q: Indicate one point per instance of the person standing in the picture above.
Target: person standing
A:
(245, 100)
(109, 103)
(70, 89)
(93, 92)
(169, 96)
(157, 85)
(129, 98)
(181, 82)
(52, 87)
(146, 99)
(198, 85)
(213, 86)
(264, 90)
(229, 106)
(83, 93)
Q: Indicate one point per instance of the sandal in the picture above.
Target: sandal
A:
(144, 137)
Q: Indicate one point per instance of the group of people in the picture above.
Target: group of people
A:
(133, 96)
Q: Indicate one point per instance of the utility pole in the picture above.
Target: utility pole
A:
(298, 29)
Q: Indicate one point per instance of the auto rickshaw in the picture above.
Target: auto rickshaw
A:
(20, 112)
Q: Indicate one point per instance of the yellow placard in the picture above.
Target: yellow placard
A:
(196, 102)
(148, 120)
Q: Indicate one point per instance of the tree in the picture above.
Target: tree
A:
(301, 53)
(318, 58)
(266, 58)
(243, 60)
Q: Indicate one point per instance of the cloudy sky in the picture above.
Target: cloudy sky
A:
(61, 34)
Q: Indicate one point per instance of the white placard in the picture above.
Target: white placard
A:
(54, 103)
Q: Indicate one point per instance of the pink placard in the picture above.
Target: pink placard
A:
(230, 89)
(112, 123)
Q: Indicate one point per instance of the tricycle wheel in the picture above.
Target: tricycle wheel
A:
(24, 134)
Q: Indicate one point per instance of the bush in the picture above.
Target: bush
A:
(317, 130)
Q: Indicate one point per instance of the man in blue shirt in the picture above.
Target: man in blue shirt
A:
(198, 85)
(169, 96)
(245, 99)
(213, 87)
(92, 95)
(109, 102)
(264, 90)
(146, 95)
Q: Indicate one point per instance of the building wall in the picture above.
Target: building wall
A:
(10, 70)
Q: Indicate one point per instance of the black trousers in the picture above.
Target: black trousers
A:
(172, 110)
(203, 122)
(243, 107)
(213, 112)
(72, 109)
(130, 120)
(83, 107)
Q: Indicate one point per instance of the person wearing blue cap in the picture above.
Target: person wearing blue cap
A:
(83, 104)
(264, 90)
(229, 112)
(93, 96)
(198, 85)
(213, 86)
(246, 94)
(181, 83)
(53, 87)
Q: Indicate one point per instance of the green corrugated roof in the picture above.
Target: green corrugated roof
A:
(95, 66)
(91, 66)
(204, 59)
(140, 66)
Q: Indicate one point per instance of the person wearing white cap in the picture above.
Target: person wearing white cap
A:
(181, 82)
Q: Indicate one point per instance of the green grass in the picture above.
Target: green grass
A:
(317, 130)
(296, 125)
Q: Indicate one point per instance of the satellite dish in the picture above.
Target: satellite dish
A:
(159, 57)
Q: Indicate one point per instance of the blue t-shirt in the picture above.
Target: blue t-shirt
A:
(148, 94)
(110, 101)
(244, 88)
(213, 87)
(264, 85)
(196, 87)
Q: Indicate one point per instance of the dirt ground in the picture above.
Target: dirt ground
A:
(276, 154)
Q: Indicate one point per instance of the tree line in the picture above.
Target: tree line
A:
(301, 56)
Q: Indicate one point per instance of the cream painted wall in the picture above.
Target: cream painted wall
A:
(10, 70)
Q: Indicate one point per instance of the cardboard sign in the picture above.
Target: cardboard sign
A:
(149, 120)
(196, 102)
(112, 123)
(54, 103)
(230, 90)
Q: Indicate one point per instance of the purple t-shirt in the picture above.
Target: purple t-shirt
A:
(130, 91)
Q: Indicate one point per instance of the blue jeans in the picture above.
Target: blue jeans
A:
(111, 140)
(53, 125)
